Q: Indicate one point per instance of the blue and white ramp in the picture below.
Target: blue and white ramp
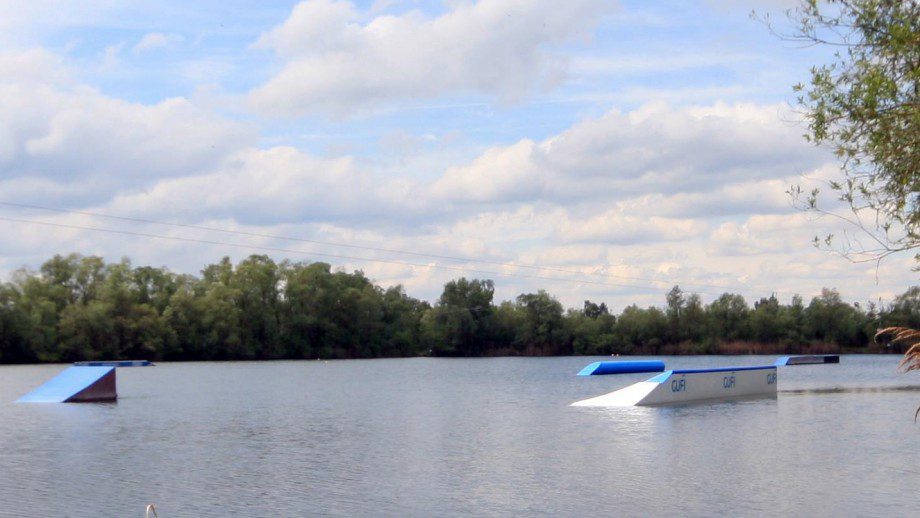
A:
(682, 386)
(76, 385)
(622, 367)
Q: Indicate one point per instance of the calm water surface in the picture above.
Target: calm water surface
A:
(435, 437)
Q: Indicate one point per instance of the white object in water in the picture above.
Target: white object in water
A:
(680, 386)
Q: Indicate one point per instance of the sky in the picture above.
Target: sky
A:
(599, 150)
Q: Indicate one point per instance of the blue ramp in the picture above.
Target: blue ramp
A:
(622, 367)
(76, 385)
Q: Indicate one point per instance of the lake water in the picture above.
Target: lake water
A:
(440, 437)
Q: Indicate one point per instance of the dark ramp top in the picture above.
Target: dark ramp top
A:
(76, 384)
(117, 363)
(622, 367)
(808, 360)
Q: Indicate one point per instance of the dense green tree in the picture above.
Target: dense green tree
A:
(905, 310)
(766, 321)
(183, 315)
(57, 278)
(219, 313)
(154, 286)
(641, 331)
(829, 319)
(796, 317)
(357, 314)
(14, 330)
(89, 274)
(402, 323)
(256, 281)
(459, 323)
(594, 310)
(86, 331)
(306, 298)
(507, 319)
(693, 319)
(542, 329)
(728, 317)
(593, 329)
(675, 307)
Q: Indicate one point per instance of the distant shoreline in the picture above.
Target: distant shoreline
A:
(863, 351)
(77, 308)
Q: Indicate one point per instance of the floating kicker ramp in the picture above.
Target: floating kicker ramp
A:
(77, 384)
(682, 386)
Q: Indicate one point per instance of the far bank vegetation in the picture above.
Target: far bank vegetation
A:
(83, 308)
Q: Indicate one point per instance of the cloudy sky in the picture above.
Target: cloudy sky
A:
(600, 150)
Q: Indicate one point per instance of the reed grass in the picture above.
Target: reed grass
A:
(904, 337)
(910, 340)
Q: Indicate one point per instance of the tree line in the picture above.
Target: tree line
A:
(82, 308)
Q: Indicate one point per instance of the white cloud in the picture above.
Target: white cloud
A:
(762, 234)
(501, 174)
(654, 149)
(614, 227)
(54, 129)
(90, 133)
(754, 197)
(526, 222)
(31, 66)
(272, 186)
(156, 40)
(336, 62)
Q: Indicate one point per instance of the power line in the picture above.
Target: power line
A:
(354, 246)
(321, 254)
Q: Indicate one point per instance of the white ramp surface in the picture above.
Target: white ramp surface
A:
(680, 386)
